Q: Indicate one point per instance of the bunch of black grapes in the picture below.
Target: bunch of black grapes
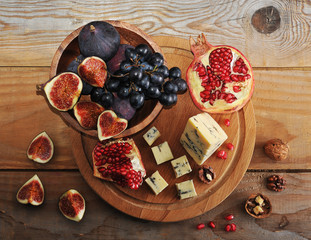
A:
(143, 75)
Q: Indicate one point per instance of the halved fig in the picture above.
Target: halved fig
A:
(120, 162)
(87, 113)
(110, 125)
(220, 78)
(31, 192)
(72, 205)
(41, 148)
(63, 90)
(93, 70)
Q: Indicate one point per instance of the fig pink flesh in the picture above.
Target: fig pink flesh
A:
(41, 147)
(32, 191)
(110, 126)
(71, 204)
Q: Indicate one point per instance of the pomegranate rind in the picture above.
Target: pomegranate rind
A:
(58, 96)
(109, 125)
(38, 153)
(79, 213)
(134, 154)
(93, 70)
(31, 199)
(202, 51)
(87, 113)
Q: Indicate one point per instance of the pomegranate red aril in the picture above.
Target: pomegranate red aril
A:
(229, 217)
(219, 66)
(228, 228)
(200, 226)
(211, 224)
(230, 146)
(221, 153)
(227, 122)
(233, 227)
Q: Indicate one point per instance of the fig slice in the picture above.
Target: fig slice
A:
(93, 70)
(63, 90)
(110, 125)
(72, 205)
(41, 148)
(87, 113)
(31, 192)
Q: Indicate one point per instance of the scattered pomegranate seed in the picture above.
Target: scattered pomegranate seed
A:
(233, 227)
(200, 226)
(225, 156)
(230, 146)
(227, 122)
(221, 153)
(229, 217)
(228, 228)
(211, 224)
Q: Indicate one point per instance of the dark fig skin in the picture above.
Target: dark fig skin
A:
(114, 64)
(99, 39)
(123, 108)
(73, 66)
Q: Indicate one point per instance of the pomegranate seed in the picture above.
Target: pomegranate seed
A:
(200, 226)
(227, 122)
(211, 224)
(233, 227)
(230, 146)
(229, 217)
(221, 153)
(225, 156)
(236, 89)
(228, 228)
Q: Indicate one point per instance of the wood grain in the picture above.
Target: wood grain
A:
(30, 33)
(101, 221)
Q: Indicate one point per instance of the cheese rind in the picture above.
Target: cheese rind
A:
(151, 135)
(202, 137)
(181, 166)
(186, 189)
(156, 182)
(162, 153)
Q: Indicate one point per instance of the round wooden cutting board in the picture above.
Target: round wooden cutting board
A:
(166, 206)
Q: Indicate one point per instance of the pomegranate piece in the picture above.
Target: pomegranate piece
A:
(229, 217)
(110, 125)
(87, 114)
(211, 224)
(220, 78)
(41, 148)
(233, 227)
(120, 162)
(72, 205)
(230, 146)
(93, 70)
(200, 226)
(228, 228)
(31, 192)
(63, 90)
(227, 122)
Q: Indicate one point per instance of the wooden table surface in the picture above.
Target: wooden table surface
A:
(274, 35)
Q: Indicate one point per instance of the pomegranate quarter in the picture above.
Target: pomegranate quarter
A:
(220, 78)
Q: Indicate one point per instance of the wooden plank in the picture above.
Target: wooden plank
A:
(282, 110)
(30, 33)
(18, 221)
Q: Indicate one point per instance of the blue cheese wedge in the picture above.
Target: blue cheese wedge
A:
(186, 189)
(202, 137)
(156, 182)
(162, 153)
(181, 166)
(152, 135)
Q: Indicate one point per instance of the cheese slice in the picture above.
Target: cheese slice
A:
(162, 153)
(186, 189)
(202, 137)
(152, 135)
(181, 166)
(156, 182)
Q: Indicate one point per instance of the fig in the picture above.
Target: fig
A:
(72, 205)
(120, 162)
(99, 38)
(73, 66)
(110, 125)
(114, 64)
(63, 90)
(41, 148)
(31, 192)
(123, 108)
(87, 113)
(93, 70)
(220, 78)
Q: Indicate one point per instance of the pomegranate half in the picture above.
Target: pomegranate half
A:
(220, 78)
(120, 162)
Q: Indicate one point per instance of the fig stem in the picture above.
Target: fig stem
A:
(39, 87)
(92, 28)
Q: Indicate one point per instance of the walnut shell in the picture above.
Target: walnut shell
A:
(276, 149)
(250, 204)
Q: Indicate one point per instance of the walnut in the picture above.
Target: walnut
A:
(276, 149)
(276, 183)
(206, 174)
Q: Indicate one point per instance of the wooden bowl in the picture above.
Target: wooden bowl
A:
(69, 50)
(267, 203)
